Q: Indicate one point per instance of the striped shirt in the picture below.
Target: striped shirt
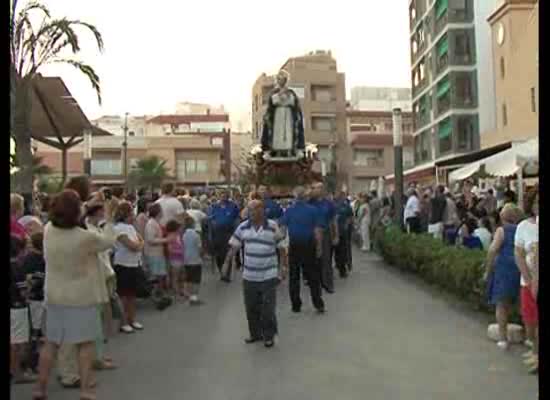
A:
(260, 249)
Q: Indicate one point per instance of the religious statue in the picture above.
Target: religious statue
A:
(283, 125)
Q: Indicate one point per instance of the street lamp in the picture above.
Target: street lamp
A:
(87, 152)
(125, 153)
(398, 164)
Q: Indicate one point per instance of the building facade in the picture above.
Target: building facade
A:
(514, 37)
(197, 150)
(366, 98)
(115, 124)
(241, 143)
(188, 108)
(451, 70)
(370, 138)
(322, 93)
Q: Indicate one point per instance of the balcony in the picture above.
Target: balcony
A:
(421, 120)
(323, 107)
(421, 85)
(441, 64)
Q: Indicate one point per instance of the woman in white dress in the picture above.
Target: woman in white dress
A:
(364, 217)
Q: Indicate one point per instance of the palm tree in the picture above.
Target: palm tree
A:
(149, 172)
(33, 46)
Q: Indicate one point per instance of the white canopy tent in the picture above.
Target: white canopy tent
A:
(519, 159)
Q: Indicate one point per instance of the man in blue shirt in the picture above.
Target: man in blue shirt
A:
(272, 209)
(344, 216)
(303, 224)
(330, 238)
(224, 216)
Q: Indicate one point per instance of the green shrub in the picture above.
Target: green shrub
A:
(456, 270)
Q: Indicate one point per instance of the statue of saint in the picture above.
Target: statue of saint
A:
(283, 125)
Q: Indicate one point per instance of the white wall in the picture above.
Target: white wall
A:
(485, 67)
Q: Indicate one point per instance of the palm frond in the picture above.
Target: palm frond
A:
(86, 70)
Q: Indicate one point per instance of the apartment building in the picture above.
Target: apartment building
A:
(451, 70)
(370, 137)
(367, 98)
(189, 108)
(515, 43)
(115, 124)
(322, 93)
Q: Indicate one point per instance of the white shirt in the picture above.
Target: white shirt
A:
(412, 208)
(527, 237)
(171, 208)
(198, 216)
(484, 236)
(123, 255)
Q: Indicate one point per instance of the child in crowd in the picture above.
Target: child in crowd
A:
(193, 252)
(19, 313)
(175, 258)
(34, 268)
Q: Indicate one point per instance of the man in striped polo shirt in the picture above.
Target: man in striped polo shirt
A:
(261, 273)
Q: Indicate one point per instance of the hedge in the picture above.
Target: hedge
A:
(455, 269)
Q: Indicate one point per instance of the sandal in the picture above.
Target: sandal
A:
(39, 396)
(104, 365)
(24, 378)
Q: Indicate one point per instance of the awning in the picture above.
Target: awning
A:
(443, 87)
(440, 7)
(442, 47)
(445, 129)
(506, 163)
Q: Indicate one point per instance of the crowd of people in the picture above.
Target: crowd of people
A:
(509, 235)
(82, 258)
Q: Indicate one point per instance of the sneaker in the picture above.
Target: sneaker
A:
(531, 360)
(126, 329)
(534, 369)
(502, 344)
(137, 326)
(25, 378)
(528, 343)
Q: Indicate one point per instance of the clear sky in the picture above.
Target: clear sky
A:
(158, 53)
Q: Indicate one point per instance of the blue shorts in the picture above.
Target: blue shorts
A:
(157, 265)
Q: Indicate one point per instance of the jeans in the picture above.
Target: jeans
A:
(341, 254)
(260, 300)
(302, 259)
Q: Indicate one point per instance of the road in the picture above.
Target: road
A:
(385, 336)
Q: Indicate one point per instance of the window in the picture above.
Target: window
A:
(502, 68)
(324, 124)
(464, 89)
(202, 166)
(533, 100)
(462, 47)
(323, 153)
(322, 94)
(504, 115)
(465, 130)
(106, 167)
(369, 158)
(445, 134)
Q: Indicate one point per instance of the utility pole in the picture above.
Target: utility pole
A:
(398, 165)
(125, 153)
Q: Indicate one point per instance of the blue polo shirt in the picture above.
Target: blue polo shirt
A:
(224, 215)
(272, 209)
(326, 210)
(343, 213)
(301, 219)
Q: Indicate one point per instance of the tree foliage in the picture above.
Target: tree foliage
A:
(150, 172)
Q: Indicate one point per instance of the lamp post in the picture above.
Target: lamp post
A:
(87, 152)
(125, 153)
(398, 164)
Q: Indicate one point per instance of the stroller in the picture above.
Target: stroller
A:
(148, 288)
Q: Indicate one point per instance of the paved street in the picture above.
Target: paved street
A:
(385, 336)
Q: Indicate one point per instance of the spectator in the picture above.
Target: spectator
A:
(412, 212)
(175, 258)
(127, 259)
(490, 202)
(502, 274)
(192, 254)
(526, 252)
(17, 208)
(19, 321)
(450, 219)
(94, 215)
(172, 209)
(438, 204)
(71, 288)
(363, 216)
(484, 232)
(197, 215)
(143, 206)
(467, 234)
(155, 241)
